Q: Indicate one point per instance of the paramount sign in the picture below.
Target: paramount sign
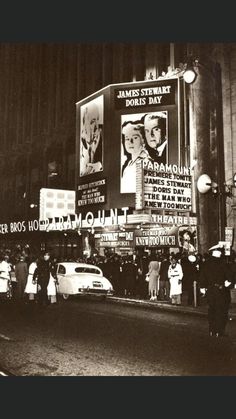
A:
(69, 222)
(164, 187)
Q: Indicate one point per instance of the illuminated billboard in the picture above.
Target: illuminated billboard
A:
(127, 122)
(143, 136)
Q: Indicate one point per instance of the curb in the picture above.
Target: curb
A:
(163, 306)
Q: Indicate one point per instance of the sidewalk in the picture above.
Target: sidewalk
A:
(156, 305)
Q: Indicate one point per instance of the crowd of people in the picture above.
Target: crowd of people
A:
(164, 277)
(169, 276)
(27, 278)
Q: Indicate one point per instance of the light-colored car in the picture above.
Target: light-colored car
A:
(4, 286)
(81, 278)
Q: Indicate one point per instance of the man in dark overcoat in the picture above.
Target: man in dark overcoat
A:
(130, 271)
(215, 278)
(21, 273)
(164, 283)
(42, 275)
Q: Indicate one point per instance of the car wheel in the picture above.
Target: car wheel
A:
(65, 296)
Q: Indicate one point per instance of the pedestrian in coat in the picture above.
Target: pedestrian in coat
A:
(129, 272)
(5, 277)
(115, 273)
(175, 275)
(164, 283)
(191, 278)
(42, 273)
(153, 272)
(31, 288)
(13, 282)
(215, 279)
(21, 273)
(52, 289)
(145, 285)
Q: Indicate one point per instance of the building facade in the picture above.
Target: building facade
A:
(40, 85)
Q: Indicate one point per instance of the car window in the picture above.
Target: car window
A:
(61, 270)
(87, 270)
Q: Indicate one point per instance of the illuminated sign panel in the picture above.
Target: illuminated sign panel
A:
(164, 187)
(91, 193)
(159, 94)
(159, 237)
(184, 237)
(115, 239)
(56, 203)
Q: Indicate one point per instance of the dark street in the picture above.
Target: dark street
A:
(82, 337)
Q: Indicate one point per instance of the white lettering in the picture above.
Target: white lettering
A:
(89, 218)
(135, 102)
(114, 216)
(3, 228)
(33, 225)
(101, 219)
(156, 100)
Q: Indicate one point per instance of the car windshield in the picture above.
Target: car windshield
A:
(87, 270)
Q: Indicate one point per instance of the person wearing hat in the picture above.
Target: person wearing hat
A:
(42, 275)
(31, 288)
(21, 273)
(215, 279)
(5, 276)
(164, 283)
(175, 275)
(191, 276)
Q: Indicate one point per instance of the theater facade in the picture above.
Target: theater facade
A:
(134, 183)
(124, 176)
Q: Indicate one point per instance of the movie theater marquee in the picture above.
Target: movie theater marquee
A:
(164, 187)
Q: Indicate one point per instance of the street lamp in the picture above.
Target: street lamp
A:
(190, 67)
(205, 184)
(189, 74)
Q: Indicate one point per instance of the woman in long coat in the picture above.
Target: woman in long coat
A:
(5, 269)
(153, 272)
(31, 288)
(175, 275)
(52, 290)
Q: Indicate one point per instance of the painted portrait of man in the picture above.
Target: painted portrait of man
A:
(156, 136)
